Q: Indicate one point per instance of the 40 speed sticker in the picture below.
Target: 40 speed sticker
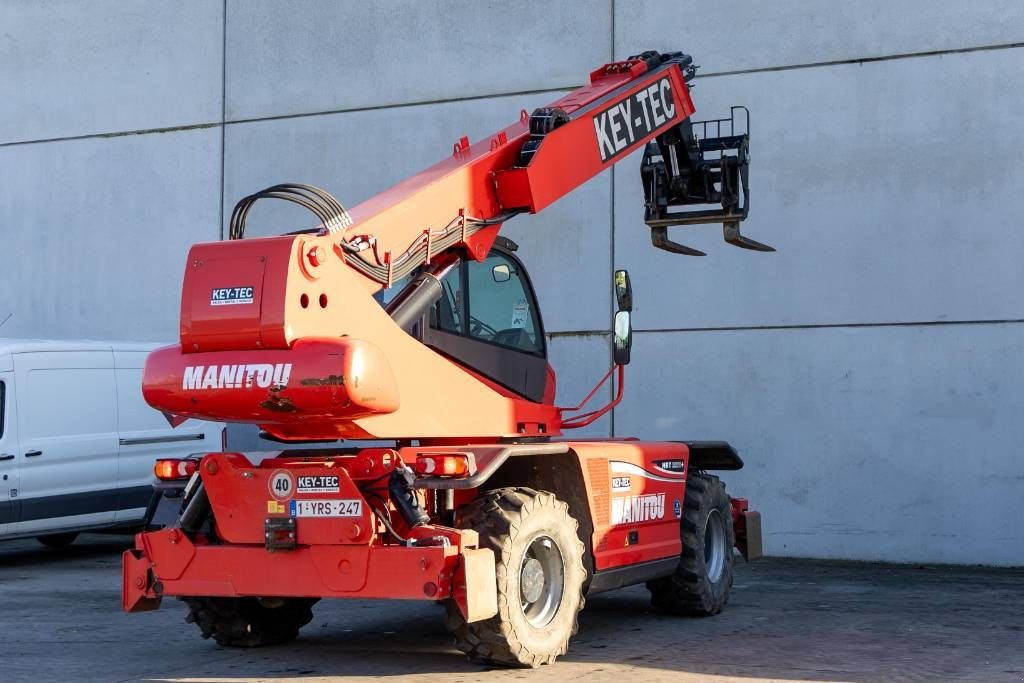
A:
(326, 508)
(281, 484)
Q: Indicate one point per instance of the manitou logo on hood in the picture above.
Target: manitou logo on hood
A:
(633, 509)
(262, 375)
(634, 118)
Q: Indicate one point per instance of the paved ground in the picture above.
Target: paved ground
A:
(788, 621)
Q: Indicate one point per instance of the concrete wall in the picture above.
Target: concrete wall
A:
(869, 371)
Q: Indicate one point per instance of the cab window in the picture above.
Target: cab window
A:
(489, 301)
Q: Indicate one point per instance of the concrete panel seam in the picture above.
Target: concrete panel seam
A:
(118, 134)
(820, 326)
(198, 126)
(864, 60)
(404, 105)
(223, 113)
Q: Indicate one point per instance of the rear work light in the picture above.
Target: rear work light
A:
(442, 464)
(171, 469)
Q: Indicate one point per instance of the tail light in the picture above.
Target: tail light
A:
(171, 469)
(442, 464)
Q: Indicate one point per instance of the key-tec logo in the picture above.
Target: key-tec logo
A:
(228, 296)
(634, 118)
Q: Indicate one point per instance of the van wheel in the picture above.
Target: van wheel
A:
(700, 585)
(58, 540)
(249, 622)
(540, 578)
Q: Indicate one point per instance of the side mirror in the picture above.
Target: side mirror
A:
(501, 272)
(623, 291)
(623, 338)
(622, 324)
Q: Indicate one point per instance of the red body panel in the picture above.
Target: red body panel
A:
(647, 501)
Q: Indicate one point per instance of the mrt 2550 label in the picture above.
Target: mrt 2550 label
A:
(326, 508)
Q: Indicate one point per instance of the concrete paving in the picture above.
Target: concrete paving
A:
(788, 621)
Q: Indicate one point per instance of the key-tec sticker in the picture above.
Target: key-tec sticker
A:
(634, 118)
(317, 483)
(230, 296)
(326, 508)
(620, 483)
(282, 484)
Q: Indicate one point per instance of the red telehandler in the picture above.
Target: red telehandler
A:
(408, 322)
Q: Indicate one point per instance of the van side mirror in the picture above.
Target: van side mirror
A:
(623, 291)
(622, 340)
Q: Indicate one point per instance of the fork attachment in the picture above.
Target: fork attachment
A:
(685, 166)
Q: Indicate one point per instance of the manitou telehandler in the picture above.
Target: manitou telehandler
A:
(410, 323)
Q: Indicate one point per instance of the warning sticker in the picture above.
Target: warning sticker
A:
(520, 314)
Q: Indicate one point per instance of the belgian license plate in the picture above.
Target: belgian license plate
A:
(327, 508)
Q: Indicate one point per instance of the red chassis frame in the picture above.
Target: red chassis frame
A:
(634, 497)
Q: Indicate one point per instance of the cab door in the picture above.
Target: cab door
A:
(488, 319)
(68, 436)
(8, 454)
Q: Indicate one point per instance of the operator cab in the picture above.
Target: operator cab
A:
(487, 319)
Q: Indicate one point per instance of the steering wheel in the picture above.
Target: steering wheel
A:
(478, 328)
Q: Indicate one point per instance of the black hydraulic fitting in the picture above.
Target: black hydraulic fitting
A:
(196, 511)
(404, 497)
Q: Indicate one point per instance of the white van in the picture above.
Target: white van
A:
(78, 442)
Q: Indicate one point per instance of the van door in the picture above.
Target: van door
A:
(67, 459)
(8, 454)
(144, 436)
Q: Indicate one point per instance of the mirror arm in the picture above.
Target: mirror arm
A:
(577, 421)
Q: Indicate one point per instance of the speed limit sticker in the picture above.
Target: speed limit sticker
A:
(282, 484)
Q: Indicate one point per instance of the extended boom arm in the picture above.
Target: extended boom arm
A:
(461, 202)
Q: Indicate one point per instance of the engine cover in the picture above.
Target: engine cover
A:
(319, 379)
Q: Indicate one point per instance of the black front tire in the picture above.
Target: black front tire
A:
(540, 575)
(58, 540)
(702, 580)
(249, 622)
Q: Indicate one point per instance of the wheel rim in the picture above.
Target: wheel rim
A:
(714, 546)
(541, 581)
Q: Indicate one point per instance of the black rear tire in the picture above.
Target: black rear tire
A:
(702, 580)
(249, 622)
(58, 540)
(540, 574)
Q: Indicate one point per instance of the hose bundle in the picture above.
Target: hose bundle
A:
(334, 218)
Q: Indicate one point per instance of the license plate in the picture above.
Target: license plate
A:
(327, 508)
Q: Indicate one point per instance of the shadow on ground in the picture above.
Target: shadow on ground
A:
(788, 620)
(797, 621)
